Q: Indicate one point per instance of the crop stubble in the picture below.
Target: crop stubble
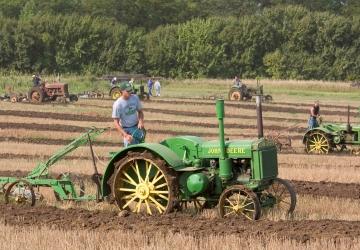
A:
(75, 219)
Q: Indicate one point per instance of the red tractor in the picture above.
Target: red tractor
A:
(55, 91)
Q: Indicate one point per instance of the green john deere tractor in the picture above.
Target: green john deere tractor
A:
(238, 176)
(244, 93)
(138, 86)
(180, 173)
(332, 137)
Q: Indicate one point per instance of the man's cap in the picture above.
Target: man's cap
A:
(33, 75)
(126, 86)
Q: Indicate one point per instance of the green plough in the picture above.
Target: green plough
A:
(65, 186)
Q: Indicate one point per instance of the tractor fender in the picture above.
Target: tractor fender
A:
(234, 87)
(160, 150)
(309, 131)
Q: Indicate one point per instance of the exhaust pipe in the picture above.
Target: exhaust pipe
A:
(348, 126)
(220, 113)
(225, 164)
(260, 126)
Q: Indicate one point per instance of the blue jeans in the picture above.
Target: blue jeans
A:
(137, 134)
(312, 123)
(150, 89)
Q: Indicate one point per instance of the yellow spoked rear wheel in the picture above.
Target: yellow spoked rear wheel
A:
(143, 185)
(115, 93)
(239, 201)
(317, 143)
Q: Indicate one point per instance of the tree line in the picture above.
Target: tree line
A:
(280, 42)
(149, 14)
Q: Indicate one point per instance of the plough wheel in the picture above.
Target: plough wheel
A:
(144, 184)
(355, 151)
(268, 98)
(3, 188)
(14, 99)
(2, 192)
(317, 143)
(78, 183)
(284, 195)
(20, 192)
(239, 201)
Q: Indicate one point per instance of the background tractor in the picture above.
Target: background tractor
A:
(138, 85)
(245, 93)
(55, 91)
(355, 84)
(330, 137)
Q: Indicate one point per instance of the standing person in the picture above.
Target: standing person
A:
(157, 87)
(314, 114)
(132, 82)
(36, 80)
(113, 81)
(237, 82)
(128, 116)
(150, 86)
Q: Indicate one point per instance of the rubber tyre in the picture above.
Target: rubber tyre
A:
(73, 98)
(36, 95)
(268, 98)
(235, 95)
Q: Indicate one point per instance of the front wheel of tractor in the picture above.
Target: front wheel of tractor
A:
(239, 201)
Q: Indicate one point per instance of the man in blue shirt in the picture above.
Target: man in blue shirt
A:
(128, 116)
(36, 80)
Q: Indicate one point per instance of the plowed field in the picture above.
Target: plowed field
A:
(328, 186)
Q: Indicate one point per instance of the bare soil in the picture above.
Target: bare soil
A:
(73, 128)
(330, 189)
(97, 118)
(55, 116)
(80, 219)
(293, 104)
(270, 107)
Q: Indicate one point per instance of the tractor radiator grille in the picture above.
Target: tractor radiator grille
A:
(269, 163)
